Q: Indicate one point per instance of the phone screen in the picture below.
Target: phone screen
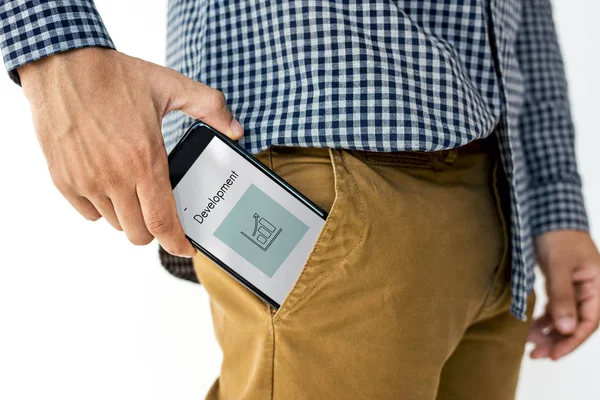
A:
(245, 219)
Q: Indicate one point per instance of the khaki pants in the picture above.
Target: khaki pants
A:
(406, 294)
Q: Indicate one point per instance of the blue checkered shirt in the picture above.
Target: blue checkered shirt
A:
(373, 75)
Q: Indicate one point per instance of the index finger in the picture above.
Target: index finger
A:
(589, 311)
(160, 213)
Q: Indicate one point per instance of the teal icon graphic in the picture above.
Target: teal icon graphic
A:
(261, 230)
(263, 234)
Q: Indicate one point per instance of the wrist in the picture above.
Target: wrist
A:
(47, 72)
(558, 244)
(33, 74)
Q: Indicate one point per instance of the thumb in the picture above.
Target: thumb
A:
(203, 102)
(563, 304)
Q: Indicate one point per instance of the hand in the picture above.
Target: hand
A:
(571, 264)
(97, 115)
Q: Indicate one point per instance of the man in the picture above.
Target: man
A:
(437, 134)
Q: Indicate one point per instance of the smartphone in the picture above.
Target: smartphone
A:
(240, 214)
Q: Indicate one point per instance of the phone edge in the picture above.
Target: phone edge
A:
(277, 179)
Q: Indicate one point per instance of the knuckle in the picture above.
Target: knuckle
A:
(217, 100)
(159, 226)
(89, 185)
(111, 180)
(92, 218)
(564, 310)
(140, 240)
(61, 184)
(142, 158)
(138, 154)
(177, 249)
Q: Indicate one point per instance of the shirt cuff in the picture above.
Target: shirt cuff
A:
(33, 29)
(179, 267)
(557, 205)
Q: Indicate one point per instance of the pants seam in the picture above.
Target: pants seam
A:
(271, 158)
(276, 316)
(272, 332)
(499, 273)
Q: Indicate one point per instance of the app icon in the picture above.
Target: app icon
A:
(261, 230)
(263, 234)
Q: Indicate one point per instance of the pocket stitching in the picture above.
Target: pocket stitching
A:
(491, 297)
(278, 317)
(331, 217)
(404, 164)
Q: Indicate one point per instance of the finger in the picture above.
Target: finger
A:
(205, 103)
(587, 280)
(562, 300)
(585, 291)
(541, 335)
(160, 214)
(83, 207)
(129, 213)
(538, 331)
(541, 351)
(586, 273)
(589, 311)
(570, 343)
(105, 207)
(545, 343)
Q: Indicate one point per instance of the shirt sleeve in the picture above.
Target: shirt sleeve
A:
(33, 29)
(179, 267)
(555, 198)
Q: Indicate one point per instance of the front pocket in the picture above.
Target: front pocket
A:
(342, 232)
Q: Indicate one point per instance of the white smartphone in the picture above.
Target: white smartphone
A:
(241, 215)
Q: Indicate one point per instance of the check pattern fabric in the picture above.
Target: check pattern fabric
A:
(381, 75)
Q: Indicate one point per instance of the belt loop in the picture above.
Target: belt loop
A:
(450, 156)
(271, 158)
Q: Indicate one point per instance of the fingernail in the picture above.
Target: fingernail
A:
(236, 128)
(566, 324)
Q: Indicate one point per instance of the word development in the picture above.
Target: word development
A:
(219, 195)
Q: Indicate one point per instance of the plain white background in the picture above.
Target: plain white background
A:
(86, 315)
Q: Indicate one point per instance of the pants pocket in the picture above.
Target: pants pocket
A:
(325, 177)
(328, 182)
